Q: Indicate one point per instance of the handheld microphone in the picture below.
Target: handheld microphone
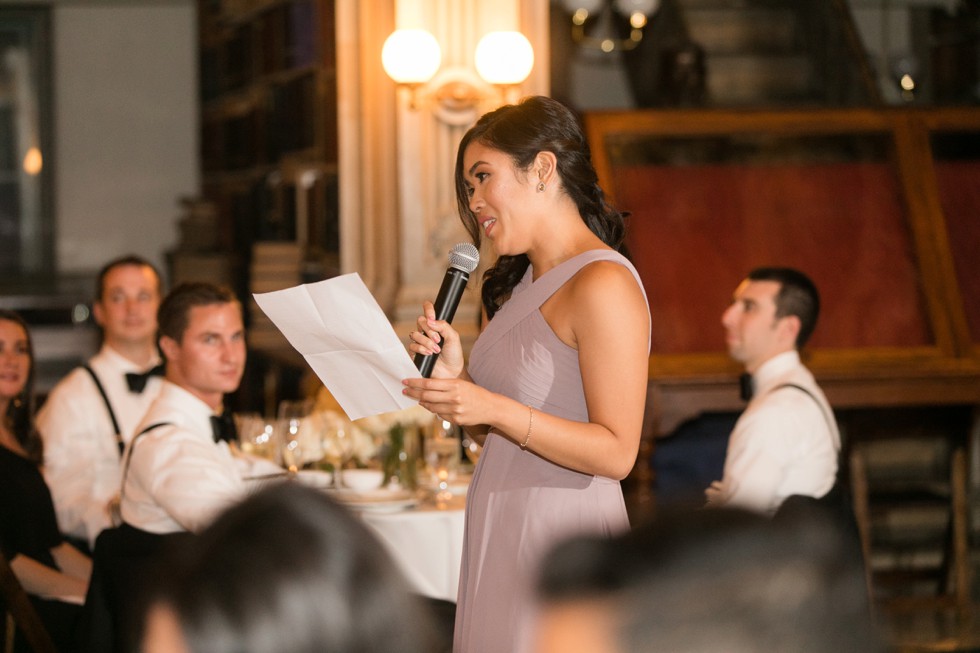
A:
(463, 259)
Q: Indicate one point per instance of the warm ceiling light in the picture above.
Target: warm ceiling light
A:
(411, 56)
(601, 37)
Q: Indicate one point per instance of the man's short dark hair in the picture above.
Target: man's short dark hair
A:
(172, 316)
(723, 579)
(122, 261)
(797, 296)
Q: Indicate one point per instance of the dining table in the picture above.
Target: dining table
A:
(420, 529)
(426, 542)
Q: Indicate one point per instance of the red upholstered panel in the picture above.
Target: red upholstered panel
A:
(959, 188)
(696, 231)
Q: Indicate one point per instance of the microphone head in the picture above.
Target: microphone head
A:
(464, 256)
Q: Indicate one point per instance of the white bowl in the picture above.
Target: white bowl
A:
(314, 478)
(362, 480)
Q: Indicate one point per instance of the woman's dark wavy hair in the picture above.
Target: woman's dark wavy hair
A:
(20, 411)
(537, 124)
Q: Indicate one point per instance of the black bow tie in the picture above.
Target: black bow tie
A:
(223, 427)
(745, 386)
(137, 380)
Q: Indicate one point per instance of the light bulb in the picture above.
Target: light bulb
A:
(591, 6)
(411, 56)
(504, 57)
(630, 7)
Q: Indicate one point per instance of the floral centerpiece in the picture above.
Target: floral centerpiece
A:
(400, 435)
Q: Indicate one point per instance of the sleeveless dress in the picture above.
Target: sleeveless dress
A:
(520, 505)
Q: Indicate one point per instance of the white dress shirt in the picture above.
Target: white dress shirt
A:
(81, 453)
(784, 443)
(178, 478)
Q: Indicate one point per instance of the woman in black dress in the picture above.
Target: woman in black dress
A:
(53, 573)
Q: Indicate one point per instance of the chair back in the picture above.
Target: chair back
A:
(21, 614)
(125, 564)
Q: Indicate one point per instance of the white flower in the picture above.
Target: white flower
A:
(383, 423)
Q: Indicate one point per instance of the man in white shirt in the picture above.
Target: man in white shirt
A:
(786, 442)
(93, 412)
(178, 474)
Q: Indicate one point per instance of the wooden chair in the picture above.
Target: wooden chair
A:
(20, 614)
(918, 577)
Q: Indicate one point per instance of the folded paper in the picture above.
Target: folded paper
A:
(344, 335)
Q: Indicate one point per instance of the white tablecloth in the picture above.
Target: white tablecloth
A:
(426, 542)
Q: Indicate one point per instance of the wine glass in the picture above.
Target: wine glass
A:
(442, 454)
(338, 446)
(256, 435)
(293, 424)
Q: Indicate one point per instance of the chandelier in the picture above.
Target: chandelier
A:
(603, 37)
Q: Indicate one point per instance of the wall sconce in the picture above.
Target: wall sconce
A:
(639, 13)
(412, 57)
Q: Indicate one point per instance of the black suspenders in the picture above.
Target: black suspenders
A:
(108, 407)
(132, 444)
(830, 425)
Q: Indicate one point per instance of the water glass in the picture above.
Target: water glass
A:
(442, 457)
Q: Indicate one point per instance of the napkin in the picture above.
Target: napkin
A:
(344, 335)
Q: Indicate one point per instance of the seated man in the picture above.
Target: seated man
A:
(93, 412)
(786, 442)
(178, 473)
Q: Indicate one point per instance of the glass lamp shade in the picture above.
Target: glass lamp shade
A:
(411, 56)
(504, 58)
(590, 6)
(645, 7)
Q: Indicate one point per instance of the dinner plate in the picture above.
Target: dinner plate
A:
(380, 500)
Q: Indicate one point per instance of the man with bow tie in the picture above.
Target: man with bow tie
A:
(93, 412)
(786, 441)
(179, 471)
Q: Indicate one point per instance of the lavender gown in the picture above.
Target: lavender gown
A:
(519, 505)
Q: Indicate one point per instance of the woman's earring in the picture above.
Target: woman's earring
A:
(541, 186)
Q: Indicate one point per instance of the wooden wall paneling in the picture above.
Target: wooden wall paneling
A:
(925, 214)
(958, 186)
(902, 208)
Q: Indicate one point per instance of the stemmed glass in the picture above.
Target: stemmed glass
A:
(294, 429)
(255, 435)
(337, 439)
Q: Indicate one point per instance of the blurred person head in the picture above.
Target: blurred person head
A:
(127, 296)
(202, 336)
(773, 310)
(523, 143)
(17, 383)
(710, 581)
(287, 570)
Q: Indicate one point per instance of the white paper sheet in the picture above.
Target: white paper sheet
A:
(344, 335)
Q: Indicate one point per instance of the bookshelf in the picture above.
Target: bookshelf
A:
(269, 127)
(268, 120)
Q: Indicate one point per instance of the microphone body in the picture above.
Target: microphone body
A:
(463, 259)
